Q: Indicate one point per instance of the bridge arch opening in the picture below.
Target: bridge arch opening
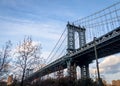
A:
(77, 42)
(76, 37)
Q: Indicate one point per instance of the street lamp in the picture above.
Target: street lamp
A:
(97, 64)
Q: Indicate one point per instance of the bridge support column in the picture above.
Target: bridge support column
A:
(71, 70)
(82, 71)
(68, 68)
(60, 72)
(85, 71)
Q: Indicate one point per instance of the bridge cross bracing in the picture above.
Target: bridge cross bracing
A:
(104, 25)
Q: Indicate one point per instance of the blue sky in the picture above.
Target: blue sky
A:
(44, 20)
(37, 18)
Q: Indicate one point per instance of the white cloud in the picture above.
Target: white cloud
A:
(109, 68)
(109, 64)
(45, 54)
(50, 58)
(47, 31)
(110, 61)
(94, 70)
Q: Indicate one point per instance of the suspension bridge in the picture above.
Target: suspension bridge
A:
(95, 35)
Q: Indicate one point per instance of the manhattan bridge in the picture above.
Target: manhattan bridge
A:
(82, 41)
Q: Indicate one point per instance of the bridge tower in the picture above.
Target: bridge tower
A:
(71, 48)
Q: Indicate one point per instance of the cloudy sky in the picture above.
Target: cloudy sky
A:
(45, 20)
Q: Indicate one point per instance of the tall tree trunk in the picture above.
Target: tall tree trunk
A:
(22, 80)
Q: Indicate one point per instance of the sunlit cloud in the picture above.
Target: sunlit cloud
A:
(110, 64)
(110, 61)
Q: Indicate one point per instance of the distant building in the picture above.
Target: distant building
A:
(104, 82)
(108, 85)
(29, 72)
(116, 83)
(10, 80)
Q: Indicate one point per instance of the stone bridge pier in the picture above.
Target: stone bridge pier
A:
(72, 71)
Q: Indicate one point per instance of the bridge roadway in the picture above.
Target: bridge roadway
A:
(106, 45)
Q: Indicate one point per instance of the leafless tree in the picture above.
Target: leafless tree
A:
(27, 56)
(4, 58)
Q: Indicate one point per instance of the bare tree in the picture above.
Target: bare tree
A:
(4, 58)
(27, 55)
